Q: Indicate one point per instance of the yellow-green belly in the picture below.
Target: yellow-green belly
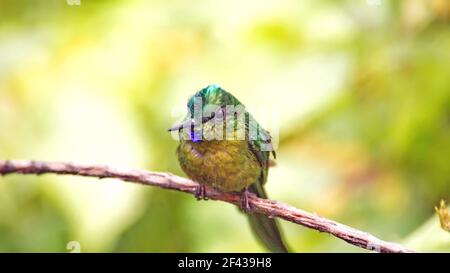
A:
(225, 165)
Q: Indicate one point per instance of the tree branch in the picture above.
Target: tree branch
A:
(169, 181)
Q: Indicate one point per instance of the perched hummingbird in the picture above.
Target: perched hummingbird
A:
(228, 152)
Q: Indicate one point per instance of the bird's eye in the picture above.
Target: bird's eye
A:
(206, 119)
(219, 113)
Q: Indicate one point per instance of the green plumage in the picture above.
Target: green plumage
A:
(229, 164)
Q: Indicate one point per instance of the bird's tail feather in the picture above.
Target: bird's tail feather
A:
(266, 229)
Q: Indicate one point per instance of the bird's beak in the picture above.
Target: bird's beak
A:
(186, 123)
(189, 122)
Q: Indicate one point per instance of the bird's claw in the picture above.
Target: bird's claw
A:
(244, 204)
(200, 193)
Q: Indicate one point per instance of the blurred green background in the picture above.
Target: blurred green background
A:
(361, 90)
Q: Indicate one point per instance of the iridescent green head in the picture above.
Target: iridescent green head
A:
(210, 110)
(212, 95)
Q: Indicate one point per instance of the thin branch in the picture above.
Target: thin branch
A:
(169, 181)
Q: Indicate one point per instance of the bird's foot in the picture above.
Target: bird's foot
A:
(244, 204)
(200, 193)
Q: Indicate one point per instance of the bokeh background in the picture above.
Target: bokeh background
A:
(361, 90)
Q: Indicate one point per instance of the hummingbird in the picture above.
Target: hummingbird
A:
(222, 146)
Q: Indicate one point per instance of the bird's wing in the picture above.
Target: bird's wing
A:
(260, 143)
(266, 229)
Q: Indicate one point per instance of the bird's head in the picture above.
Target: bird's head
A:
(211, 95)
(208, 100)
